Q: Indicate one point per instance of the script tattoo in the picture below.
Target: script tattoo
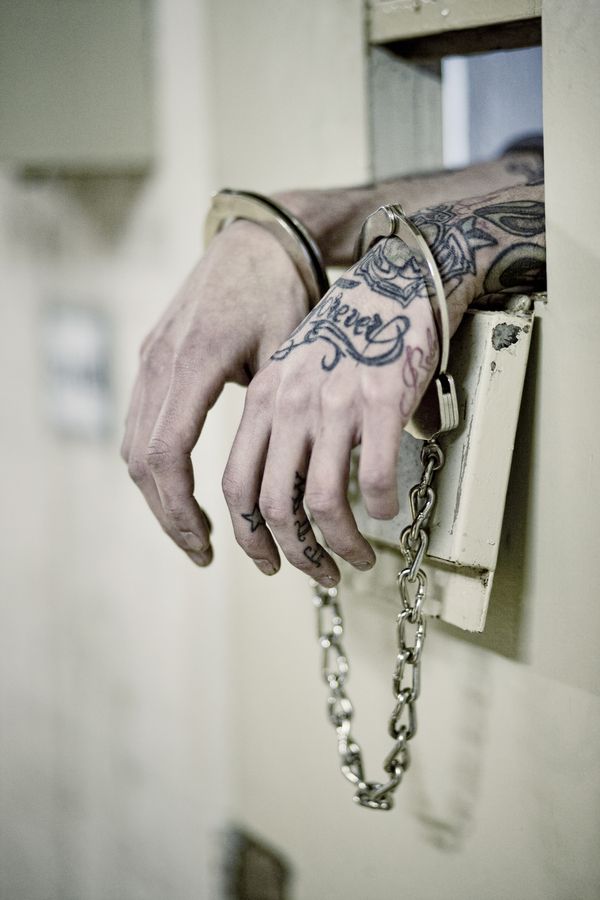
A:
(369, 340)
(347, 283)
(455, 233)
(314, 555)
(417, 368)
(298, 495)
(302, 525)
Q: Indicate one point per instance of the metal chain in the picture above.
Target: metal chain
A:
(406, 682)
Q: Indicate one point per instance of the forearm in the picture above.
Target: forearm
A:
(482, 245)
(334, 216)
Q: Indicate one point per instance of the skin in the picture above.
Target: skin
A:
(238, 305)
(201, 343)
(354, 372)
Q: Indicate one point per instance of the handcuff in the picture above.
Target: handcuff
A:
(437, 414)
(391, 221)
(229, 205)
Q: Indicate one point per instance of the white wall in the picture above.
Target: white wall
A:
(124, 671)
(113, 767)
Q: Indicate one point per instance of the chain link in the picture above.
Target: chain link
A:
(410, 628)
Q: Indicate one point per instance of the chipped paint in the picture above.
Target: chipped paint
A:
(504, 335)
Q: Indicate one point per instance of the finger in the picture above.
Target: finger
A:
(151, 388)
(241, 485)
(131, 418)
(139, 470)
(282, 504)
(192, 391)
(326, 495)
(377, 471)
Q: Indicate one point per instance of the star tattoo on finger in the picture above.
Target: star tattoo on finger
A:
(254, 518)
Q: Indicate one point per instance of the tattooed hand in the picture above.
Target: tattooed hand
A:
(223, 324)
(354, 372)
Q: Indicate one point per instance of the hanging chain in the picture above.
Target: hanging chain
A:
(406, 683)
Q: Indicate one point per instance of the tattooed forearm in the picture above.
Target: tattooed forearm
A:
(475, 240)
(453, 241)
(526, 219)
(483, 245)
(521, 267)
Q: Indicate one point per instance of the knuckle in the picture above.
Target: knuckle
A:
(242, 541)
(232, 489)
(321, 502)
(188, 360)
(259, 391)
(292, 398)
(195, 345)
(249, 541)
(335, 403)
(377, 482)
(153, 361)
(159, 456)
(176, 516)
(375, 395)
(273, 510)
(137, 469)
(344, 547)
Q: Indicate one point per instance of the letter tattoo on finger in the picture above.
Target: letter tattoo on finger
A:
(301, 523)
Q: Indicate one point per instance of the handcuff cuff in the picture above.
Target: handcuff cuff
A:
(439, 405)
(228, 205)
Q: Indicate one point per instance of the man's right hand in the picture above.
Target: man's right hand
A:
(239, 303)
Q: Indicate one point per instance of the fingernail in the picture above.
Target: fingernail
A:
(201, 559)
(265, 566)
(364, 565)
(326, 581)
(194, 542)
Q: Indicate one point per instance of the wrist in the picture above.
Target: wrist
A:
(333, 217)
(229, 206)
(254, 252)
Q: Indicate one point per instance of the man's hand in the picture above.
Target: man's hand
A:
(352, 373)
(238, 304)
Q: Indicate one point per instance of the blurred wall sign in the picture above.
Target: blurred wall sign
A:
(77, 393)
